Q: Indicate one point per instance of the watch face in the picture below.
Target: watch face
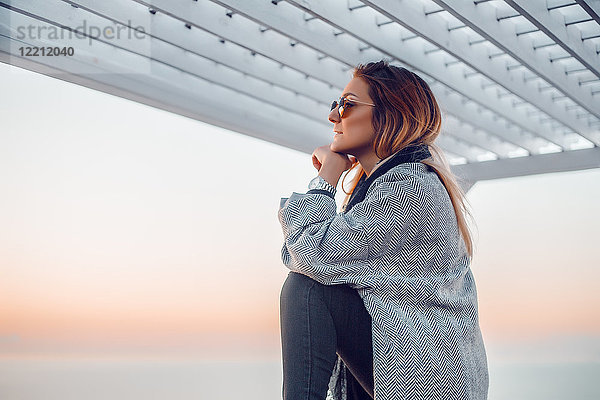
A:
(314, 182)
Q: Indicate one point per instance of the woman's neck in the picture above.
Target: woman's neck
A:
(368, 162)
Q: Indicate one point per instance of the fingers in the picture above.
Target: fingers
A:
(316, 162)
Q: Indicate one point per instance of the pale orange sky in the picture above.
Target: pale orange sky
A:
(129, 230)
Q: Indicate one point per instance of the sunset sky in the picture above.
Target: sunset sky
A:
(129, 231)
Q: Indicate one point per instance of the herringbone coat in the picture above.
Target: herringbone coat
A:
(401, 249)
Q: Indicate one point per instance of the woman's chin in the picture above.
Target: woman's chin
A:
(337, 147)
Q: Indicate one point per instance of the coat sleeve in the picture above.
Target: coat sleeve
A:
(338, 248)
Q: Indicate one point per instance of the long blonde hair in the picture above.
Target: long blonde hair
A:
(406, 112)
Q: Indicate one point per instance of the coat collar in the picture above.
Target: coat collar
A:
(411, 153)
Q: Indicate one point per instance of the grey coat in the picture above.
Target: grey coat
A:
(401, 249)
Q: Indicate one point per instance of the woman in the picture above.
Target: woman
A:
(380, 301)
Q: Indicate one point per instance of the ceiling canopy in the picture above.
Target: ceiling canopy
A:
(518, 81)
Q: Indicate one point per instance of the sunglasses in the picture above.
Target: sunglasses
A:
(344, 104)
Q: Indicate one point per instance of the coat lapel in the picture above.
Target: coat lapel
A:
(411, 153)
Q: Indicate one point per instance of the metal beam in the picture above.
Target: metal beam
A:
(573, 160)
(568, 38)
(466, 185)
(483, 20)
(592, 7)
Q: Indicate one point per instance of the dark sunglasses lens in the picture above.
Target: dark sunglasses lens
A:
(342, 107)
(341, 104)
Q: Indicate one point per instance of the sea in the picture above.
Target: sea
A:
(128, 379)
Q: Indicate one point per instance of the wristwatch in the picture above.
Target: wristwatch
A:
(319, 182)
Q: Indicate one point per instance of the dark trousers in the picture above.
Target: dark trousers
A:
(318, 321)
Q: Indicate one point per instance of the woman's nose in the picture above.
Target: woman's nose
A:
(334, 116)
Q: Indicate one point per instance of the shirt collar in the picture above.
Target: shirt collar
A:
(378, 164)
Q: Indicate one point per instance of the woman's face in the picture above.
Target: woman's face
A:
(355, 129)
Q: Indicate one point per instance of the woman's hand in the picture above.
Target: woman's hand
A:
(331, 164)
